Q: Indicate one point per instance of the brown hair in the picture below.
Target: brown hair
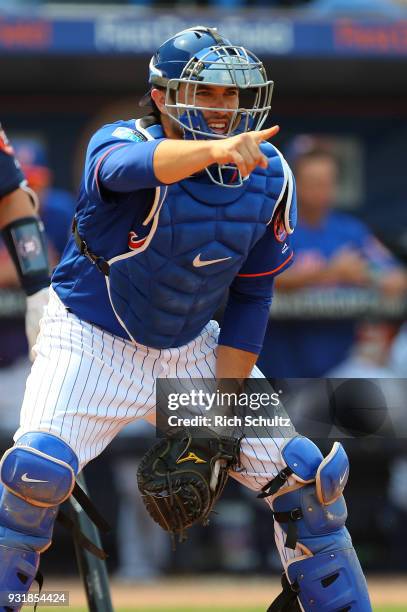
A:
(312, 154)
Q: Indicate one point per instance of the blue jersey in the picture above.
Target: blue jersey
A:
(116, 203)
(11, 175)
(315, 245)
(312, 348)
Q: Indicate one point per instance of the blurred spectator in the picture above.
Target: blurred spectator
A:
(56, 211)
(370, 357)
(333, 249)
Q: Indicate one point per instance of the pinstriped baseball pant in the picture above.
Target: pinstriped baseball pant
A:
(86, 385)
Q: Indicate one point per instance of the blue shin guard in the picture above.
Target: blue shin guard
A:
(312, 512)
(37, 474)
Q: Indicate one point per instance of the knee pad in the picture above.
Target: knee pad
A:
(312, 513)
(40, 469)
(37, 474)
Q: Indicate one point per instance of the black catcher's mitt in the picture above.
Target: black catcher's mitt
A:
(181, 478)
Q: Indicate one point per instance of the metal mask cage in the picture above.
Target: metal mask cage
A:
(223, 66)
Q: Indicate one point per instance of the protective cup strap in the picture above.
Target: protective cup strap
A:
(26, 243)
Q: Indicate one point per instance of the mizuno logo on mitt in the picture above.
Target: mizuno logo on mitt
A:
(191, 457)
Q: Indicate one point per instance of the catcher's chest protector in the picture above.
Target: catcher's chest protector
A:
(195, 240)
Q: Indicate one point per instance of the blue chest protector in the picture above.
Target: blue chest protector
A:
(196, 238)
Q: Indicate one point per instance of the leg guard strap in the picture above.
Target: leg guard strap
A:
(287, 600)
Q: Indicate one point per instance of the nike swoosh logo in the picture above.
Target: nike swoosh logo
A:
(25, 478)
(198, 262)
(342, 478)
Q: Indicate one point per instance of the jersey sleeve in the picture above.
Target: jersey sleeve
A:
(267, 259)
(119, 159)
(250, 295)
(11, 175)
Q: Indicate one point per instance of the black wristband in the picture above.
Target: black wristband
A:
(26, 243)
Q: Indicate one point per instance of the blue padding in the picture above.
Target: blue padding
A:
(317, 519)
(44, 479)
(292, 215)
(18, 569)
(332, 475)
(50, 445)
(25, 525)
(303, 457)
(331, 581)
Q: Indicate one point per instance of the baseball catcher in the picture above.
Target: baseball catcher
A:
(175, 209)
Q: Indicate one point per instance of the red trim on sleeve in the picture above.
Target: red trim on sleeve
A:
(122, 144)
(270, 271)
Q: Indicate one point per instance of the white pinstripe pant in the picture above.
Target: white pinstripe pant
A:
(86, 385)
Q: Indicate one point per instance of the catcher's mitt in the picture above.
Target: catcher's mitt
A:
(181, 478)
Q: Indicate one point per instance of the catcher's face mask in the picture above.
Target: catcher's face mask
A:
(222, 91)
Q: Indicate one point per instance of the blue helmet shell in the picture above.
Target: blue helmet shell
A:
(171, 58)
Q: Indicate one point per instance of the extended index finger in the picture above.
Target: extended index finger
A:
(266, 134)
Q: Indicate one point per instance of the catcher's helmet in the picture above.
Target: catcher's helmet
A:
(200, 55)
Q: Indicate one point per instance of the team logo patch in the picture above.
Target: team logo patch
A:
(191, 457)
(28, 247)
(128, 134)
(134, 242)
(279, 228)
